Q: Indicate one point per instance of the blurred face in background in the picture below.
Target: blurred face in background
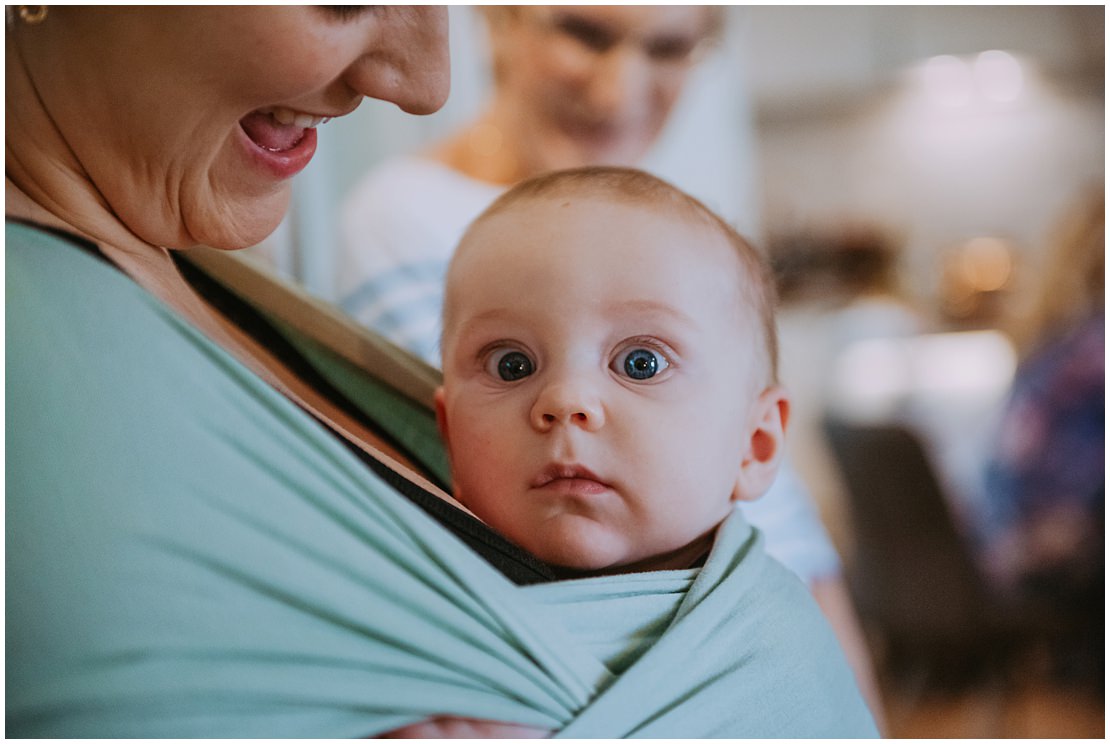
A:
(592, 85)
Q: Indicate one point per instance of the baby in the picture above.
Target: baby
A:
(609, 361)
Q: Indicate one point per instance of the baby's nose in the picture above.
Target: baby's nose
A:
(566, 404)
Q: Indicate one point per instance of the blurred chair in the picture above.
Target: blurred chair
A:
(912, 574)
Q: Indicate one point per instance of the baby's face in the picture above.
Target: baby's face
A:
(601, 373)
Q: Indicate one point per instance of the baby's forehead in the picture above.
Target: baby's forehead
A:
(618, 203)
(586, 227)
(579, 238)
(621, 215)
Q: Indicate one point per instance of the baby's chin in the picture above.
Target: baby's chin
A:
(582, 556)
(569, 560)
(575, 545)
(582, 566)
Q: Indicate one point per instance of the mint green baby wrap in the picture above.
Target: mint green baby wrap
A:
(190, 555)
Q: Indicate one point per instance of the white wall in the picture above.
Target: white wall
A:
(846, 133)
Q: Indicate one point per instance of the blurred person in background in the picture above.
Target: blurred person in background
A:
(1042, 529)
(573, 86)
(837, 286)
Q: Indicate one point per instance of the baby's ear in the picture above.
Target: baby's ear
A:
(441, 414)
(765, 445)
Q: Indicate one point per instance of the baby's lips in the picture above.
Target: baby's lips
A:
(564, 472)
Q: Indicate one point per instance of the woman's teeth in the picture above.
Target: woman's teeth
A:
(289, 117)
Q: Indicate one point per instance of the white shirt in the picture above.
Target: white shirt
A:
(398, 229)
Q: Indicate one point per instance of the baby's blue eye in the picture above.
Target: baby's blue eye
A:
(641, 364)
(514, 366)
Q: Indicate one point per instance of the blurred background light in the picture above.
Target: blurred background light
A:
(967, 365)
(986, 264)
(948, 81)
(999, 76)
(872, 378)
(993, 76)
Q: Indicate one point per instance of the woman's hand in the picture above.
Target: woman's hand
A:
(448, 727)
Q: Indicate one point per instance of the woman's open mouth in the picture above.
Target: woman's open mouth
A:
(280, 139)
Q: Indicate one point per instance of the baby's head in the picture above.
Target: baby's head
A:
(609, 363)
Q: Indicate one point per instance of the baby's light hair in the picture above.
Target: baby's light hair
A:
(636, 187)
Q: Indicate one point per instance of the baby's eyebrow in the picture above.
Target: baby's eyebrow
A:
(486, 316)
(460, 327)
(492, 314)
(641, 307)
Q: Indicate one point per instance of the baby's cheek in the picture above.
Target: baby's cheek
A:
(481, 462)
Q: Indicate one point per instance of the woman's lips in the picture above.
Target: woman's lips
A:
(283, 149)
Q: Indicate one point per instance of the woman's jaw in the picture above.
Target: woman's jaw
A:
(271, 145)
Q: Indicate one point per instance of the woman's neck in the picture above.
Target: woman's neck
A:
(486, 150)
(47, 184)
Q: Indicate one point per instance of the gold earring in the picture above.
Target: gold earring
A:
(33, 15)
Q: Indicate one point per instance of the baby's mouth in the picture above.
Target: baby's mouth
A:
(278, 129)
(557, 472)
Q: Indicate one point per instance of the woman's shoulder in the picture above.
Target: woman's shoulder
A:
(21, 236)
(80, 326)
(51, 269)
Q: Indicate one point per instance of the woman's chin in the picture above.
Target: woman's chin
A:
(620, 154)
(581, 153)
(232, 229)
